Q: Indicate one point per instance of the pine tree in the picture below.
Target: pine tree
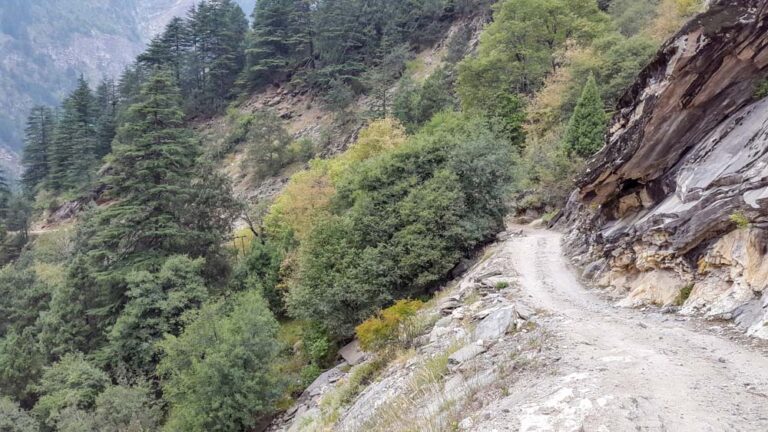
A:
(170, 50)
(37, 145)
(152, 169)
(341, 33)
(586, 128)
(217, 33)
(279, 42)
(5, 197)
(106, 118)
(166, 202)
(73, 154)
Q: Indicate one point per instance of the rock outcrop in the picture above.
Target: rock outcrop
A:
(674, 209)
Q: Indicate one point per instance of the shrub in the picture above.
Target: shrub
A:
(72, 383)
(240, 125)
(685, 292)
(122, 408)
(15, 419)
(316, 345)
(740, 219)
(21, 364)
(267, 145)
(301, 150)
(309, 373)
(761, 89)
(386, 327)
(401, 221)
(307, 198)
(415, 104)
(218, 375)
(260, 270)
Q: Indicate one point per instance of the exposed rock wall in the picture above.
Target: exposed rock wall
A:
(677, 201)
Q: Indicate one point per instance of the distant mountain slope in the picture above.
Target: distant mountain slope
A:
(46, 44)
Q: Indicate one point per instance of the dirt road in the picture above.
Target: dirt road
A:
(623, 369)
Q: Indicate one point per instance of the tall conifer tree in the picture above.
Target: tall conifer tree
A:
(152, 169)
(73, 154)
(586, 129)
(37, 145)
(106, 117)
(280, 40)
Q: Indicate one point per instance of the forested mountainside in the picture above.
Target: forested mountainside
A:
(46, 45)
(407, 131)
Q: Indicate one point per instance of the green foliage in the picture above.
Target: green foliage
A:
(309, 374)
(21, 363)
(632, 16)
(217, 375)
(22, 298)
(586, 130)
(401, 222)
(739, 219)
(344, 45)
(105, 104)
(73, 151)
(517, 49)
(117, 409)
(217, 30)
(761, 90)
(156, 302)
(683, 295)
(507, 115)
(280, 41)
(384, 329)
(15, 419)
(65, 327)
(260, 271)
(267, 145)
(205, 53)
(71, 383)
(166, 204)
(152, 182)
(316, 345)
(307, 197)
(415, 104)
(37, 145)
(614, 61)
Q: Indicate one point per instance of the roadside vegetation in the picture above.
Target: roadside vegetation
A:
(143, 317)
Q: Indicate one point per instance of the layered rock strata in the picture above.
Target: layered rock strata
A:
(674, 209)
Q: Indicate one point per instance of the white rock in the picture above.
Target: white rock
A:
(466, 424)
(352, 353)
(496, 324)
(465, 354)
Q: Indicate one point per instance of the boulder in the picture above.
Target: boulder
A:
(352, 354)
(496, 324)
(465, 354)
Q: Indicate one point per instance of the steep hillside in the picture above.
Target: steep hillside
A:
(306, 116)
(45, 47)
(672, 211)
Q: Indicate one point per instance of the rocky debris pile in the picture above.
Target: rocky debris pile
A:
(306, 406)
(482, 336)
(674, 210)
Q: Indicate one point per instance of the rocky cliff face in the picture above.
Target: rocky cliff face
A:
(674, 210)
